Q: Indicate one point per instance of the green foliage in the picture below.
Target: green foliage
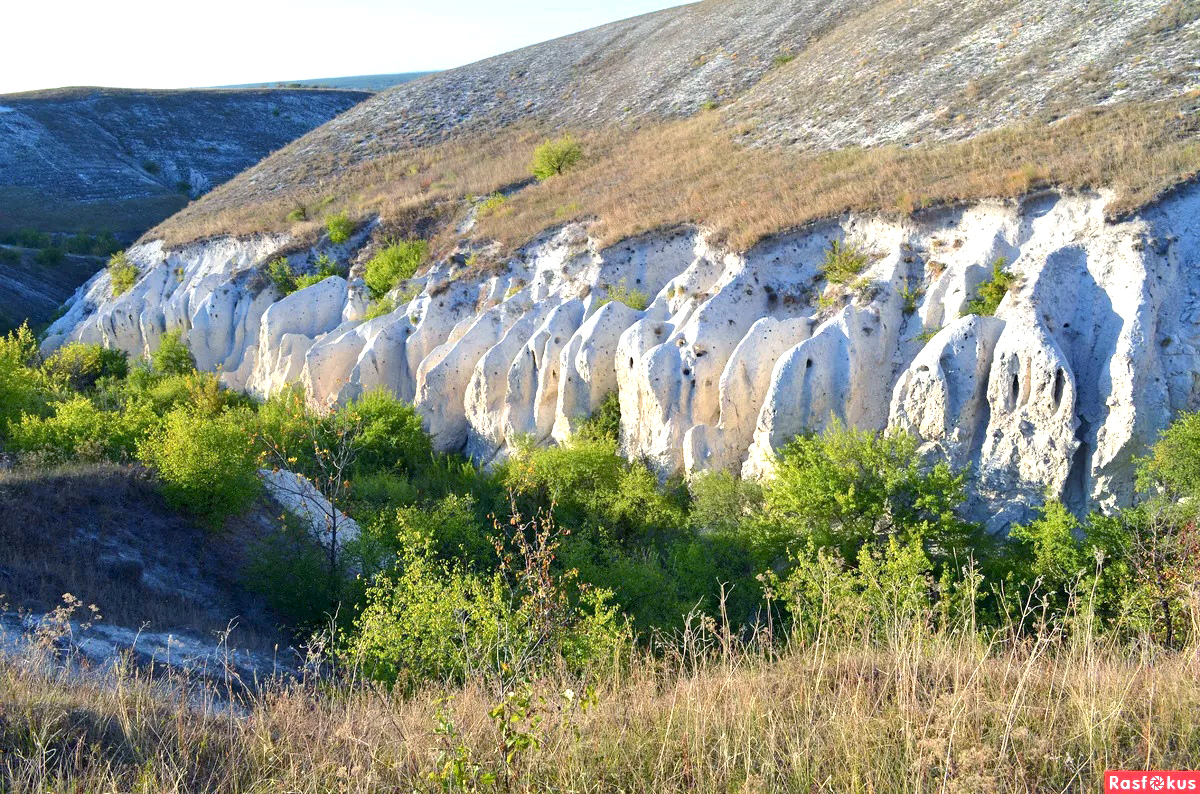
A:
(490, 204)
(392, 436)
(393, 264)
(173, 356)
(911, 297)
(289, 569)
(847, 489)
(339, 228)
(783, 59)
(605, 422)
(50, 256)
(79, 431)
(843, 263)
(1048, 548)
(9, 256)
(436, 621)
(280, 272)
(723, 503)
(622, 293)
(122, 273)
(1173, 464)
(24, 388)
(298, 214)
(207, 465)
(992, 291)
(79, 367)
(380, 308)
(555, 157)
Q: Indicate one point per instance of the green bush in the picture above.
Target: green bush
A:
(490, 204)
(555, 157)
(9, 256)
(843, 263)
(173, 356)
(393, 264)
(122, 273)
(339, 227)
(992, 291)
(435, 621)
(287, 281)
(24, 388)
(392, 436)
(849, 489)
(79, 431)
(80, 366)
(280, 272)
(379, 308)
(50, 256)
(207, 465)
(605, 422)
(622, 293)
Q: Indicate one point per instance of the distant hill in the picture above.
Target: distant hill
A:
(362, 82)
(92, 159)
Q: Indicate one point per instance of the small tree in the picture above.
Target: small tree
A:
(321, 449)
(173, 356)
(992, 291)
(555, 157)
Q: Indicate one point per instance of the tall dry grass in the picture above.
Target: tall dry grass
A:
(697, 171)
(954, 712)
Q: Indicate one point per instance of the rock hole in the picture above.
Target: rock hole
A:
(631, 362)
(686, 372)
(1016, 388)
(1060, 380)
(808, 364)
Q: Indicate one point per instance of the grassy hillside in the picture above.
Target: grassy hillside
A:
(725, 112)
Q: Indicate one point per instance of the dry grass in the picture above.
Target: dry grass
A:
(694, 171)
(935, 714)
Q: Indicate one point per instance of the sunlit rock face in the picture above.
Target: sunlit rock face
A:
(724, 357)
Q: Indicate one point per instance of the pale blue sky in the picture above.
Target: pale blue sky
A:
(174, 43)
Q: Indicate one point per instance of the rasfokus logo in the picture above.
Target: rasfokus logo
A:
(1156, 780)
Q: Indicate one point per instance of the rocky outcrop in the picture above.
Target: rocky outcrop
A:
(732, 355)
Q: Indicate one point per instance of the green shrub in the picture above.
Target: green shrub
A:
(280, 272)
(50, 256)
(992, 291)
(490, 204)
(848, 489)
(289, 568)
(393, 264)
(80, 366)
(379, 308)
(843, 263)
(122, 273)
(622, 293)
(392, 436)
(207, 465)
(339, 227)
(173, 356)
(434, 621)
(298, 214)
(9, 256)
(79, 431)
(24, 388)
(723, 503)
(555, 157)
(605, 422)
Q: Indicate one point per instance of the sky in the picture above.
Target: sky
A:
(172, 44)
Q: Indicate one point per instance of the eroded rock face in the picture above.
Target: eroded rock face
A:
(725, 357)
